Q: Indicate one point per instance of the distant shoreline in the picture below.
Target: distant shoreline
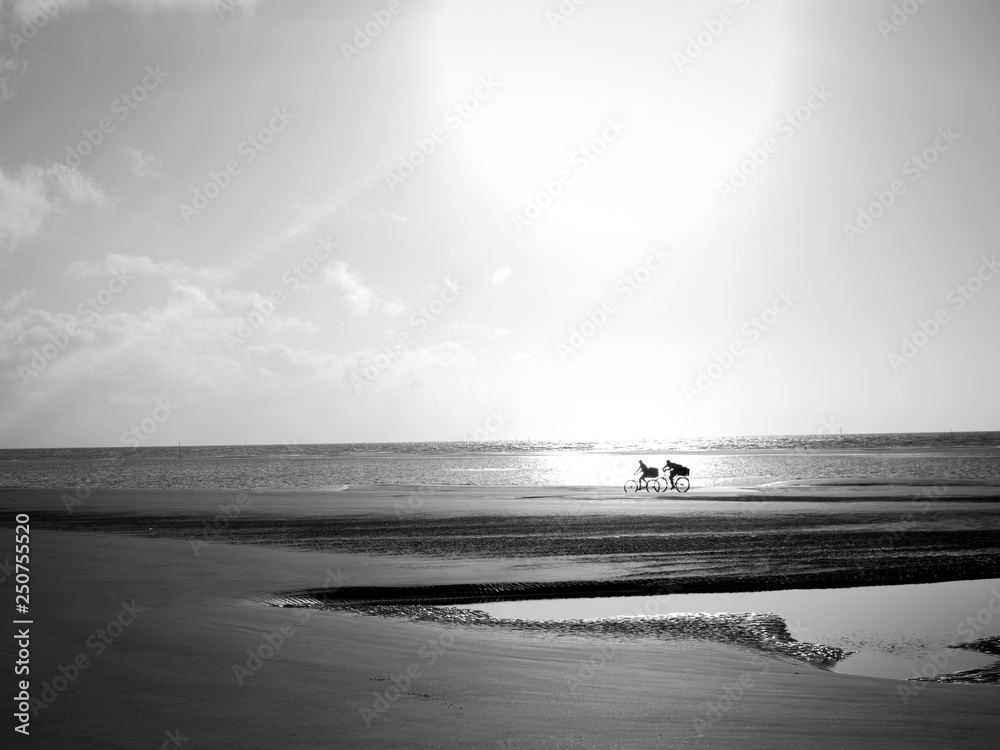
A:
(724, 443)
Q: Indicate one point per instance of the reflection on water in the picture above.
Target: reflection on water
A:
(897, 631)
(157, 469)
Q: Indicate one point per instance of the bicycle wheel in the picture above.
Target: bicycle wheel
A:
(681, 484)
(659, 484)
(631, 486)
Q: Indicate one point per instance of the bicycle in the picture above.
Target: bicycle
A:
(658, 484)
(679, 481)
(644, 483)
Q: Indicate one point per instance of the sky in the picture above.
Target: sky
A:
(297, 221)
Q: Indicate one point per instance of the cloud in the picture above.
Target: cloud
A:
(141, 265)
(413, 368)
(78, 188)
(359, 297)
(141, 162)
(197, 340)
(8, 67)
(392, 308)
(15, 301)
(501, 275)
(24, 206)
(199, 344)
(39, 194)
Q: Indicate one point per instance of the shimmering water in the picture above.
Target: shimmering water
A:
(725, 461)
(897, 632)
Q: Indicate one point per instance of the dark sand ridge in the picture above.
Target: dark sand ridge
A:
(718, 541)
(172, 669)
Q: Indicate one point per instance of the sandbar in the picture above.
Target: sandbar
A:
(202, 657)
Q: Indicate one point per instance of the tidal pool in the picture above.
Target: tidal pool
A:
(898, 632)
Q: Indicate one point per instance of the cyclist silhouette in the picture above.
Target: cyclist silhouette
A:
(647, 473)
(675, 470)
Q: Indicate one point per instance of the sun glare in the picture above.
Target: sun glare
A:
(659, 133)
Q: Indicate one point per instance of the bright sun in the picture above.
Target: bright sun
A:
(611, 140)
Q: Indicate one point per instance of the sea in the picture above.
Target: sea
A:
(733, 461)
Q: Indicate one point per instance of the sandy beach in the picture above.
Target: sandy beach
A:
(338, 339)
(157, 634)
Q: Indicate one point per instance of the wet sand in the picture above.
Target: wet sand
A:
(320, 678)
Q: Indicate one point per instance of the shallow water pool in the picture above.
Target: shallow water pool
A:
(898, 632)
